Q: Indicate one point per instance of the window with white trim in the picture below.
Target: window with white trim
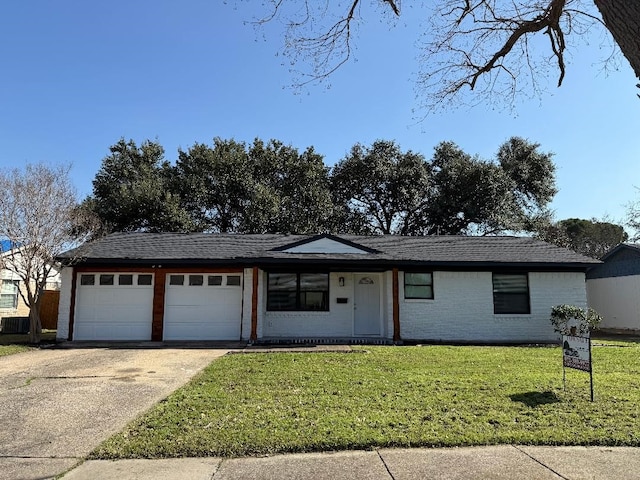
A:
(511, 293)
(418, 285)
(9, 294)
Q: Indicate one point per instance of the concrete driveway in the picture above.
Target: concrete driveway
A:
(57, 405)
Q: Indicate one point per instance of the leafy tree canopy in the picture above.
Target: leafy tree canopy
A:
(454, 193)
(270, 187)
(593, 238)
(132, 190)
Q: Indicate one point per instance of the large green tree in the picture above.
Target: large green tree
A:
(498, 49)
(386, 191)
(381, 189)
(592, 238)
(216, 185)
(292, 190)
(265, 187)
(132, 190)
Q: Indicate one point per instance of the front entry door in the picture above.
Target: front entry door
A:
(366, 305)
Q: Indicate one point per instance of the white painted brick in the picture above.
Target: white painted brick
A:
(462, 308)
(64, 306)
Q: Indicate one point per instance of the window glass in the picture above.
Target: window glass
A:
(176, 279)
(418, 285)
(195, 280)
(214, 280)
(314, 291)
(510, 293)
(233, 280)
(9, 294)
(144, 279)
(87, 279)
(125, 279)
(298, 291)
(106, 279)
(281, 294)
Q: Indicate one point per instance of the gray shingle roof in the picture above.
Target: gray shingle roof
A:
(236, 249)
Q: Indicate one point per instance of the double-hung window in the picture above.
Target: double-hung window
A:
(298, 292)
(9, 294)
(511, 293)
(418, 285)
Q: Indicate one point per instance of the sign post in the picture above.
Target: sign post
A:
(576, 354)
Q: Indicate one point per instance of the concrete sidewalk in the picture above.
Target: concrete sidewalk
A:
(494, 462)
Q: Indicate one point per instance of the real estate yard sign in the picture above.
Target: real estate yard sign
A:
(576, 353)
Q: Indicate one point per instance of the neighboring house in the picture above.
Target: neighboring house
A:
(324, 288)
(613, 289)
(11, 302)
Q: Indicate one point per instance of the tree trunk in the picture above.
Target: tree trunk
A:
(622, 19)
(35, 327)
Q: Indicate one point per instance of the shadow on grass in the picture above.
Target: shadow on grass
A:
(533, 399)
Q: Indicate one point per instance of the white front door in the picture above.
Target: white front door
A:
(367, 319)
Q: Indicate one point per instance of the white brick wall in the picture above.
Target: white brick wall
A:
(462, 308)
(64, 307)
(617, 300)
(338, 322)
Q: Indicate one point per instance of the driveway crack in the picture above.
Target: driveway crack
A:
(540, 463)
(385, 465)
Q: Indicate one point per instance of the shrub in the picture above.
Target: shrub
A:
(574, 320)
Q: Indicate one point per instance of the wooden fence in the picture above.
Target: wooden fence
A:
(49, 309)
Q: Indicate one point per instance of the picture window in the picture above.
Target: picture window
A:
(418, 285)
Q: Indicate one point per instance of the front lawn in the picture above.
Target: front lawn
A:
(11, 343)
(253, 404)
(11, 349)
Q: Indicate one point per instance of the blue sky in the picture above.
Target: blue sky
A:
(78, 75)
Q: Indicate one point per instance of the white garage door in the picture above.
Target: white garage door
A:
(114, 306)
(203, 306)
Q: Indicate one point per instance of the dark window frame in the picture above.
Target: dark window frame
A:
(406, 297)
(299, 293)
(499, 297)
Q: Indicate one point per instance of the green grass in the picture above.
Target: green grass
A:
(47, 336)
(11, 343)
(255, 404)
(11, 349)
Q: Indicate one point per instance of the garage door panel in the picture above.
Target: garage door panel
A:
(113, 312)
(202, 312)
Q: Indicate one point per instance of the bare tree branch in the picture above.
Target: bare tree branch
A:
(498, 49)
(37, 216)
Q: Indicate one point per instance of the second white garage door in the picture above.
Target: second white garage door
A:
(203, 306)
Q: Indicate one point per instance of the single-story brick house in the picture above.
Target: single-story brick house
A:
(303, 288)
(613, 289)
